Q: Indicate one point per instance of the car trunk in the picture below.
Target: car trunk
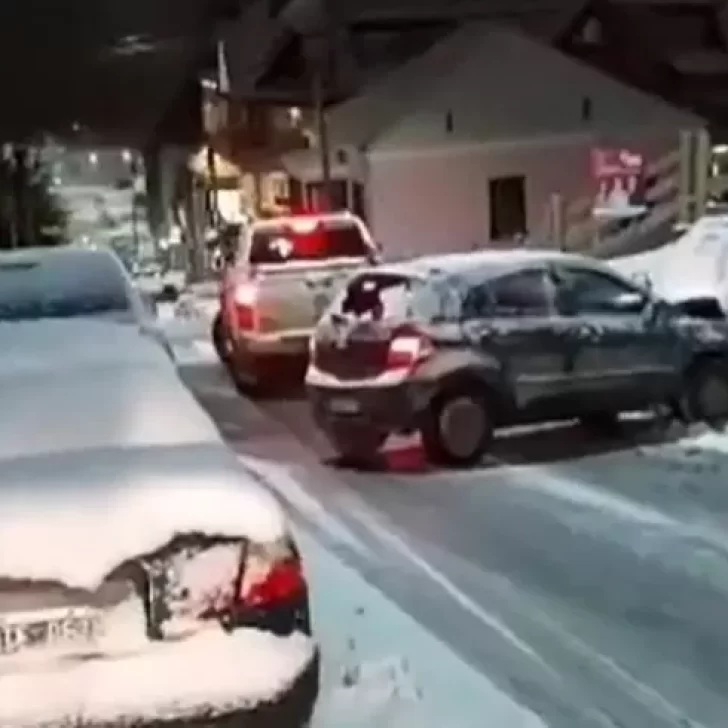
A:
(354, 341)
(142, 601)
(353, 350)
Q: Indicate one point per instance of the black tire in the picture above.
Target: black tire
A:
(220, 339)
(602, 424)
(356, 445)
(705, 398)
(458, 427)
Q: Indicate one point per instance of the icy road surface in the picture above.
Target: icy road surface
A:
(593, 589)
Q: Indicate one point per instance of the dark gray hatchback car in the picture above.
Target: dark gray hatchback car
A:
(458, 345)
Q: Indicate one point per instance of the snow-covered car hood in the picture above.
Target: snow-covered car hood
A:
(104, 454)
(101, 386)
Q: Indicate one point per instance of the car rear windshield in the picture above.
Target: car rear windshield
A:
(381, 296)
(61, 286)
(322, 241)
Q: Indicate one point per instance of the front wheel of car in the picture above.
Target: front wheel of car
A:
(705, 398)
(458, 428)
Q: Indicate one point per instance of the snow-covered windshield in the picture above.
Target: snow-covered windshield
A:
(60, 286)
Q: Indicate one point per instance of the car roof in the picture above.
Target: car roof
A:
(481, 264)
(66, 253)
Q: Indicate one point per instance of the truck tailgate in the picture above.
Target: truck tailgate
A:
(292, 297)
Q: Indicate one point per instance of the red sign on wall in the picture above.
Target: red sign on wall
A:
(618, 175)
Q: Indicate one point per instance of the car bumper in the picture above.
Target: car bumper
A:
(292, 709)
(276, 684)
(394, 408)
(273, 345)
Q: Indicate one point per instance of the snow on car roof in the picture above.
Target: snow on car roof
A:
(486, 262)
(104, 453)
(71, 253)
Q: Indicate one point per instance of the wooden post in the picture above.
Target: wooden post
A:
(701, 171)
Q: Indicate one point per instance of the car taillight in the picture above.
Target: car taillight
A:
(408, 349)
(271, 576)
(283, 583)
(246, 299)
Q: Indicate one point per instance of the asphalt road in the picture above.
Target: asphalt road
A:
(587, 579)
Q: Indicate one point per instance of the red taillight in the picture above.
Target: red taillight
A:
(283, 583)
(246, 299)
(407, 349)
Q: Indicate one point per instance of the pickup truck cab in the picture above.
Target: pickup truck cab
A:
(287, 271)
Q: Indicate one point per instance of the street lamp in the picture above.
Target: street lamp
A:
(93, 159)
(127, 156)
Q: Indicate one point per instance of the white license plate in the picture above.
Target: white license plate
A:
(344, 406)
(56, 628)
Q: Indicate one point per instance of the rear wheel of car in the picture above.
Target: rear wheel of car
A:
(604, 424)
(220, 339)
(356, 445)
(458, 427)
(706, 393)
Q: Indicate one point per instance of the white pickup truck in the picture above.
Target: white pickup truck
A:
(286, 272)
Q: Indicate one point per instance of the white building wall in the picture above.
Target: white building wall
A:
(437, 200)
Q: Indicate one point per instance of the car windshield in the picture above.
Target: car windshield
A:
(61, 286)
(317, 242)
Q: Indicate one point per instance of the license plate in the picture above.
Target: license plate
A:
(56, 628)
(344, 406)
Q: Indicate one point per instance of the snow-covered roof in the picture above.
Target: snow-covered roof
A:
(694, 266)
(487, 82)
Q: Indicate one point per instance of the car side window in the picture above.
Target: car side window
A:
(593, 292)
(520, 294)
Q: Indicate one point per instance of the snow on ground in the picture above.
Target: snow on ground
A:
(381, 668)
(696, 264)
(187, 324)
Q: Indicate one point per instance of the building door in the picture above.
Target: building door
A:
(507, 197)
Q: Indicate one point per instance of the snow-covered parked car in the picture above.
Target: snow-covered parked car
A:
(71, 282)
(146, 577)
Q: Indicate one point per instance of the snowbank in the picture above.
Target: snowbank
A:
(695, 265)
(209, 673)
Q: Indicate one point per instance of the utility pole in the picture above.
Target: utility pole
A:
(318, 57)
(313, 23)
